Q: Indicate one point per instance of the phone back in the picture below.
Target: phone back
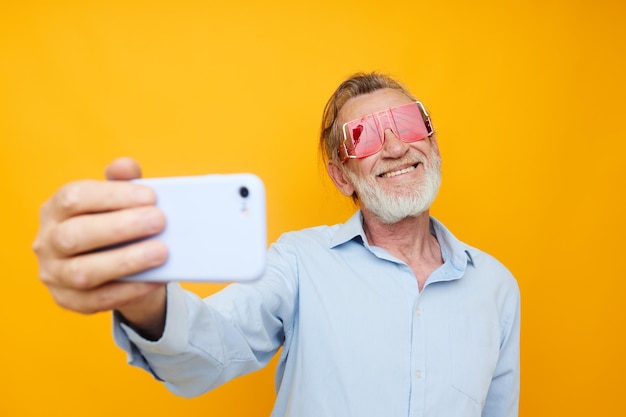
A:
(215, 230)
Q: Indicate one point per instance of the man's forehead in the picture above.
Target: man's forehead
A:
(369, 103)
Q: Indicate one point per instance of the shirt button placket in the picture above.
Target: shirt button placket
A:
(418, 351)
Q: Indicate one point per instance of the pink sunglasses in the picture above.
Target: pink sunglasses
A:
(365, 136)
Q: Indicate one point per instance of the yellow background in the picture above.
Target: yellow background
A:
(527, 98)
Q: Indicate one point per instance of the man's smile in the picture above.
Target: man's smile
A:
(395, 173)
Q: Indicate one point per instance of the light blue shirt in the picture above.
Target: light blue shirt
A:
(358, 337)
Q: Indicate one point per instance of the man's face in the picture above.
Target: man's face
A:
(402, 179)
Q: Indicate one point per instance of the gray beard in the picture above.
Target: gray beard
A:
(411, 202)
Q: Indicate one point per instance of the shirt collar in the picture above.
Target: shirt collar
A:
(452, 250)
(349, 230)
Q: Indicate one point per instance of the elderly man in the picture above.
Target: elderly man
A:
(386, 315)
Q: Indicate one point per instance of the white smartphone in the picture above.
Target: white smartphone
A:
(215, 228)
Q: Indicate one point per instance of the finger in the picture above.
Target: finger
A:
(123, 169)
(94, 269)
(87, 232)
(89, 196)
(111, 296)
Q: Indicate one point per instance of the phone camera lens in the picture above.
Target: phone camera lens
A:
(244, 192)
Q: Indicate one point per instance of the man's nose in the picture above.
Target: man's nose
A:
(394, 147)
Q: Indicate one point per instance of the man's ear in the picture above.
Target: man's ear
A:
(339, 178)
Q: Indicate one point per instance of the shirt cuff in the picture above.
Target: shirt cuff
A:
(175, 334)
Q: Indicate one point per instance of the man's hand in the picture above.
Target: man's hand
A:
(78, 261)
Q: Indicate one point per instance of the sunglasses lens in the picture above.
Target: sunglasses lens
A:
(363, 137)
(409, 122)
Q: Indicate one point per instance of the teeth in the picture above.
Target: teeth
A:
(399, 172)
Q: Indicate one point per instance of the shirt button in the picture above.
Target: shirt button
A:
(418, 312)
(418, 374)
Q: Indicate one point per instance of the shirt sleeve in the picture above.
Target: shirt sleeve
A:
(207, 342)
(503, 396)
